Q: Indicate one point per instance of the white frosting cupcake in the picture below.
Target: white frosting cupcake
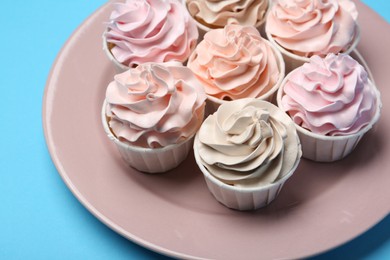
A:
(246, 151)
(211, 14)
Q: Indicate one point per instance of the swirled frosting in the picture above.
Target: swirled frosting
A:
(249, 143)
(235, 62)
(155, 105)
(217, 14)
(151, 31)
(313, 27)
(330, 96)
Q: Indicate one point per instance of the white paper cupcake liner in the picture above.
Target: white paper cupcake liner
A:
(293, 61)
(149, 160)
(119, 67)
(212, 103)
(321, 148)
(241, 198)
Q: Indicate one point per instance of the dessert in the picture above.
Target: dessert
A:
(142, 31)
(246, 151)
(211, 14)
(333, 104)
(152, 113)
(304, 28)
(236, 62)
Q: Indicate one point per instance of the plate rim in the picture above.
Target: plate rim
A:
(84, 201)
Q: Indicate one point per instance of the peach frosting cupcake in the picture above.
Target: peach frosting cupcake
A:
(304, 28)
(333, 104)
(236, 62)
(152, 113)
(142, 31)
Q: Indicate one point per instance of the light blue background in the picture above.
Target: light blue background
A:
(39, 216)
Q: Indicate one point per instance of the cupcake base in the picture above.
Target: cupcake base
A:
(241, 198)
(243, 201)
(149, 160)
(156, 160)
(119, 67)
(324, 149)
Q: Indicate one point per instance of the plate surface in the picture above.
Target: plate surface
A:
(320, 207)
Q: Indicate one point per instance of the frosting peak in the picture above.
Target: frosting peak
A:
(217, 14)
(330, 96)
(235, 62)
(155, 105)
(150, 31)
(248, 142)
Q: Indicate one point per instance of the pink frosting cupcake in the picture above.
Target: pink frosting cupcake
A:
(152, 113)
(333, 104)
(302, 28)
(236, 62)
(142, 31)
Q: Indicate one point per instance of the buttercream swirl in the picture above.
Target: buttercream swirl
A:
(235, 62)
(155, 105)
(313, 27)
(217, 14)
(249, 143)
(151, 31)
(330, 96)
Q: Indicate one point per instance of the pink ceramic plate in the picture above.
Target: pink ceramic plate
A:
(320, 207)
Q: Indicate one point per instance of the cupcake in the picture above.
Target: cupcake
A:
(332, 103)
(303, 28)
(142, 31)
(246, 151)
(211, 14)
(152, 113)
(236, 62)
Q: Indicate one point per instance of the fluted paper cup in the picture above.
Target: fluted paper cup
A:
(149, 160)
(212, 103)
(323, 148)
(119, 67)
(237, 197)
(293, 61)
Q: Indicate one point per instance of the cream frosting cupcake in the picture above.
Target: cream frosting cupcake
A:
(236, 62)
(212, 14)
(302, 28)
(247, 150)
(142, 31)
(333, 104)
(152, 113)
